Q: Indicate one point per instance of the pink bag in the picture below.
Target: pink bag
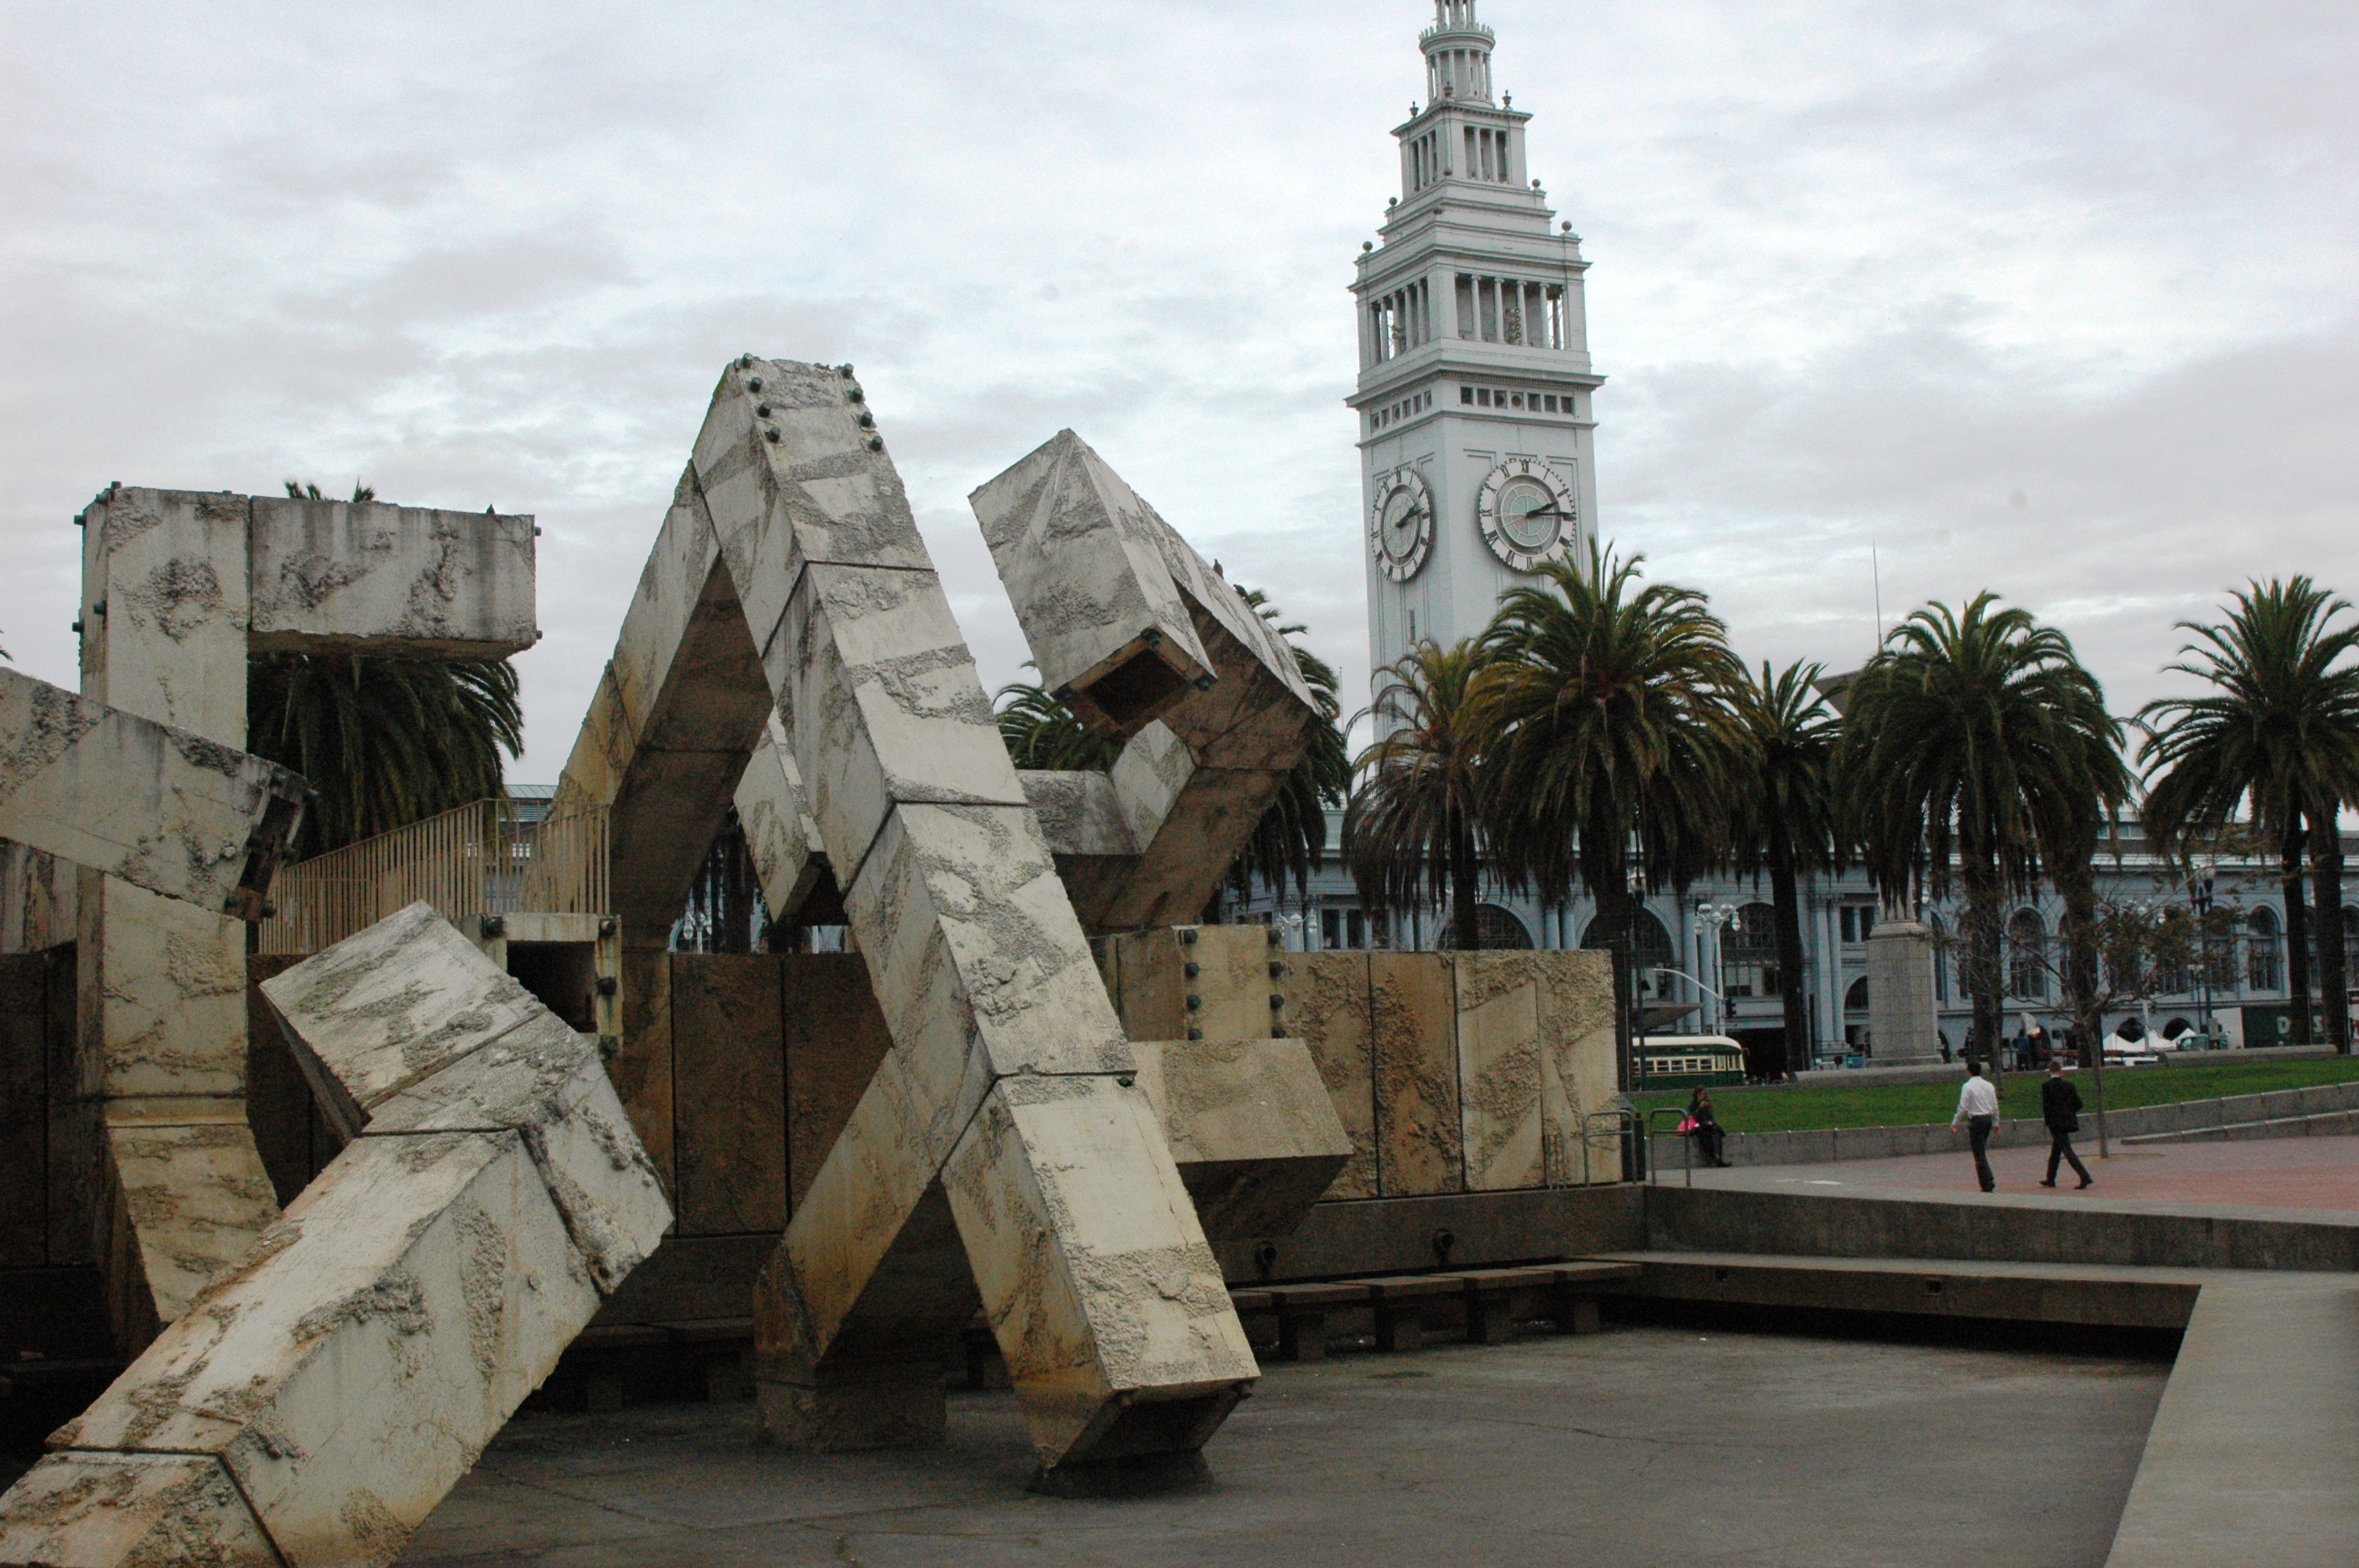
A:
(1687, 1126)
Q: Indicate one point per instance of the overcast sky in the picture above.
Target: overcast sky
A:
(2055, 299)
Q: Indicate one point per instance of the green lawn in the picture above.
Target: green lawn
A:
(1901, 1105)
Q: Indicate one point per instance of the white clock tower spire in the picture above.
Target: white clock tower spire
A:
(1474, 386)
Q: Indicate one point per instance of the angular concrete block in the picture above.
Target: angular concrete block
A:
(350, 1368)
(789, 855)
(169, 569)
(1095, 1276)
(125, 1511)
(1250, 1127)
(162, 984)
(884, 704)
(389, 1006)
(372, 578)
(1083, 563)
(1421, 1142)
(1577, 1065)
(186, 1197)
(1329, 1007)
(161, 808)
(979, 967)
(1498, 998)
(545, 1082)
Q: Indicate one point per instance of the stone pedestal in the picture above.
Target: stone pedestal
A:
(1900, 1019)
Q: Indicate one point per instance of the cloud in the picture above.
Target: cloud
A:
(1863, 275)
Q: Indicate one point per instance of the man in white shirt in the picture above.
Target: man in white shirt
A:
(1978, 1109)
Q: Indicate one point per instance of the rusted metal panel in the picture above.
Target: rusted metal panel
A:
(729, 1077)
(835, 1037)
(642, 1067)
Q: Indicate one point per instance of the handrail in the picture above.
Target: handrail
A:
(1621, 1115)
(1687, 1144)
(483, 857)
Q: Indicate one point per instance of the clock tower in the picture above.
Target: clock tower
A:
(1474, 397)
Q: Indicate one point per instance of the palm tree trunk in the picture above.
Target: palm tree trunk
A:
(2297, 912)
(1787, 901)
(2326, 863)
(1982, 972)
(1466, 925)
(1616, 909)
(2078, 884)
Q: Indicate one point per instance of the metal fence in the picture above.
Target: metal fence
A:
(494, 857)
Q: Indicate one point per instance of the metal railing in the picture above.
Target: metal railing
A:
(1622, 1118)
(1687, 1144)
(492, 857)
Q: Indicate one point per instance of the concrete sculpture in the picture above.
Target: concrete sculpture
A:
(1144, 641)
(317, 1401)
(1003, 1150)
(179, 588)
(169, 812)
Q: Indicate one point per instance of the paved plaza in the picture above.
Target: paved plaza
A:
(2278, 1173)
(1639, 1445)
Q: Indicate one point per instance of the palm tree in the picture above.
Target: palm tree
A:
(1961, 737)
(2278, 735)
(1412, 832)
(1611, 721)
(1786, 819)
(1042, 735)
(383, 741)
(1291, 836)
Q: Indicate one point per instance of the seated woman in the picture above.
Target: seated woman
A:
(1704, 1127)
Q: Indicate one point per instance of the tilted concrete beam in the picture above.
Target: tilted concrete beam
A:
(1251, 1127)
(1143, 639)
(165, 810)
(178, 588)
(349, 1369)
(998, 1151)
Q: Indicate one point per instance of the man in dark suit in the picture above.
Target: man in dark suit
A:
(2059, 1107)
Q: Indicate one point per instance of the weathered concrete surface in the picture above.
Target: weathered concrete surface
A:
(365, 577)
(1498, 1028)
(1577, 1068)
(1251, 1127)
(1330, 1009)
(789, 578)
(97, 1510)
(789, 855)
(349, 1369)
(1420, 1139)
(2249, 1457)
(1557, 1453)
(161, 808)
(1900, 1016)
(1147, 641)
(729, 1063)
(178, 589)
(406, 1029)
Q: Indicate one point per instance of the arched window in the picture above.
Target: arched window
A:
(1651, 952)
(1855, 999)
(2263, 951)
(2027, 956)
(2131, 1029)
(1500, 931)
(1748, 952)
(2174, 1028)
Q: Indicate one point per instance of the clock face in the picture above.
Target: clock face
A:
(1401, 524)
(1529, 513)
